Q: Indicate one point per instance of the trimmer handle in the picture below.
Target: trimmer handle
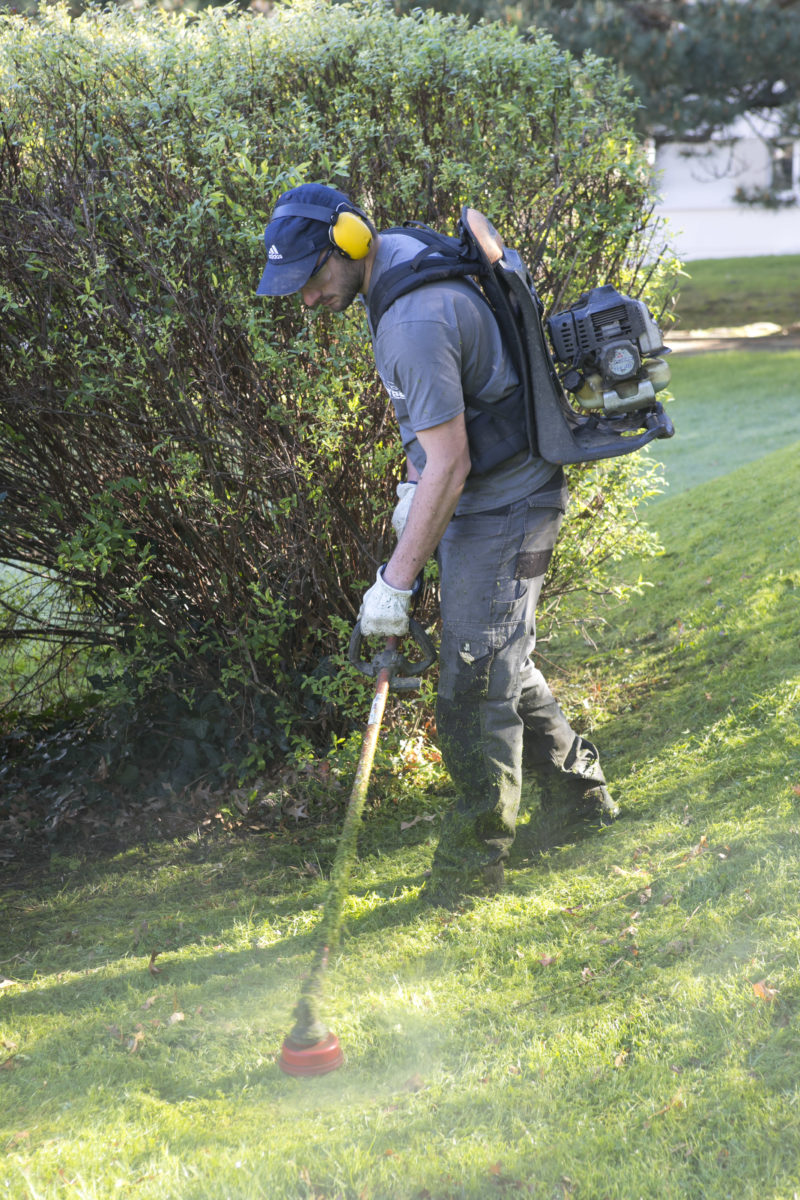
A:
(404, 675)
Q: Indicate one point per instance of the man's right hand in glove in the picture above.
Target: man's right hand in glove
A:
(384, 610)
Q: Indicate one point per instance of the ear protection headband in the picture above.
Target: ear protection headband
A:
(347, 230)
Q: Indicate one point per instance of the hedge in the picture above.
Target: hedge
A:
(204, 477)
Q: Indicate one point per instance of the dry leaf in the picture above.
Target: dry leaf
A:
(135, 1042)
(298, 810)
(422, 817)
(496, 1169)
(10, 1064)
(547, 960)
(764, 991)
(4, 983)
(149, 1002)
(175, 1017)
(586, 974)
(620, 1059)
(796, 789)
(676, 1102)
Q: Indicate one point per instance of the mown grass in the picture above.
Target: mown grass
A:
(733, 292)
(624, 1022)
(731, 408)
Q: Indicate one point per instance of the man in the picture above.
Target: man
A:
(437, 349)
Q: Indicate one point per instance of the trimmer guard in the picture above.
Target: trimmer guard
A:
(404, 674)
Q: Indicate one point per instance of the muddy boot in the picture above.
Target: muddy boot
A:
(569, 799)
(452, 889)
(596, 804)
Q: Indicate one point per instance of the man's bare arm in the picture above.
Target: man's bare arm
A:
(437, 494)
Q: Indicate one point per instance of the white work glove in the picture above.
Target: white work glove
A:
(405, 493)
(384, 610)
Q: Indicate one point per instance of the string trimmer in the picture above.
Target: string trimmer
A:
(311, 1048)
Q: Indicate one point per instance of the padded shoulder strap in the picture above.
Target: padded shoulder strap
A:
(441, 258)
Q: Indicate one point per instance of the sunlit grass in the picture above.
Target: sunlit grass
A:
(730, 408)
(623, 1022)
(731, 292)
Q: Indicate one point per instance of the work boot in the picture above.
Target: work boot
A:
(570, 800)
(450, 889)
(493, 878)
(597, 805)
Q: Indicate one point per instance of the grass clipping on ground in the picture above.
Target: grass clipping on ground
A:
(624, 1022)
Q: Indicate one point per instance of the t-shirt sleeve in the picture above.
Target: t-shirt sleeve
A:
(421, 360)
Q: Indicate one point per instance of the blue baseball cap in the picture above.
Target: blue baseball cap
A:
(294, 241)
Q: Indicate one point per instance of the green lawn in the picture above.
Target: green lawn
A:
(623, 1023)
(730, 409)
(734, 292)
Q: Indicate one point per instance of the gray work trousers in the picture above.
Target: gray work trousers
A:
(494, 709)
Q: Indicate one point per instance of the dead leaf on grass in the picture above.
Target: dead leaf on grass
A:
(4, 983)
(135, 1041)
(175, 1018)
(422, 817)
(620, 1059)
(764, 992)
(547, 960)
(677, 1101)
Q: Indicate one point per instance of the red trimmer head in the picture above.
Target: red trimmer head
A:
(317, 1059)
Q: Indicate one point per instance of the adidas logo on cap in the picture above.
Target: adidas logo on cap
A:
(274, 254)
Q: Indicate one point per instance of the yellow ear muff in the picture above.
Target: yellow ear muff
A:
(351, 235)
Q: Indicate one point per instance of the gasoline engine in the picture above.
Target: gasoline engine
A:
(610, 346)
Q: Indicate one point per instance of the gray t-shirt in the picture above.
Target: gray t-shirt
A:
(435, 346)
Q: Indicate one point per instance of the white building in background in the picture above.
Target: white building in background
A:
(697, 185)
